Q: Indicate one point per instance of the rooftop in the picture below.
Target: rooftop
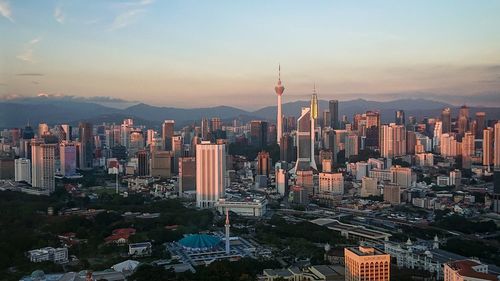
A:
(466, 268)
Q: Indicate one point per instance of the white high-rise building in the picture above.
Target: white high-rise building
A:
(210, 173)
(279, 89)
(22, 168)
(43, 165)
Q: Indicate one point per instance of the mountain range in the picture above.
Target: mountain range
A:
(18, 112)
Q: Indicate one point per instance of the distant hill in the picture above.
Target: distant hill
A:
(17, 112)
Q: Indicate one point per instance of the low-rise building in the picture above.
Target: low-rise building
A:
(366, 263)
(56, 255)
(142, 249)
(315, 272)
(467, 270)
(249, 207)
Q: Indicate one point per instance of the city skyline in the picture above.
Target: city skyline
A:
(152, 49)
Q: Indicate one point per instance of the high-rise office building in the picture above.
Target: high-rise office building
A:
(279, 89)
(67, 156)
(22, 170)
(366, 263)
(488, 147)
(333, 106)
(351, 145)
(463, 120)
(161, 163)
(480, 124)
(143, 163)
(258, 133)
(446, 120)
(86, 146)
(326, 119)
(331, 183)
(392, 193)
(210, 173)
(286, 148)
(372, 125)
(43, 129)
(215, 124)
(43, 165)
(305, 141)
(496, 146)
(167, 132)
(28, 133)
(467, 150)
(7, 168)
(393, 141)
(399, 117)
(369, 187)
(263, 164)
(205, 129)
(187, 174)
(68, 132)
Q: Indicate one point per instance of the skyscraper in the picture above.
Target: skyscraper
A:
(86, 145)
(187, 174)
(22, 170)
(263, 163)
(393, 140)
(467, 150)
(286, 148)
(446, 120)
(480, 124)
(399, 117)
(67, 156)
(167, 132)
(279, 89)
(215, 124)
(333, 105)
(210, 173)
(305, 137)
(205, 129)
(496, 149)
(488, 147)
(258, 133)
(143, 163)
(43, 165)
(463, 120)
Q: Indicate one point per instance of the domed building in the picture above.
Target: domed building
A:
(200, 242)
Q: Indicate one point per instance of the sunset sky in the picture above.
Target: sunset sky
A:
(206, 53)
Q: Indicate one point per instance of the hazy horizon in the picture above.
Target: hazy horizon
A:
(192, 54)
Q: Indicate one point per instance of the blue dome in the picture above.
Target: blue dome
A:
(199, 241)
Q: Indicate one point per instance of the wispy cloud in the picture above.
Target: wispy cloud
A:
(27, 53)
(5, 10)
(129, 14)
(30, 74)
(59, 15)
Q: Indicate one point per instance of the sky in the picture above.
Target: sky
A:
(208, 53)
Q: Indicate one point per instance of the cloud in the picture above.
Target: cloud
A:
(30, 74)
(5, 10)
(27, 53)
(59, 15)
(130, 11)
